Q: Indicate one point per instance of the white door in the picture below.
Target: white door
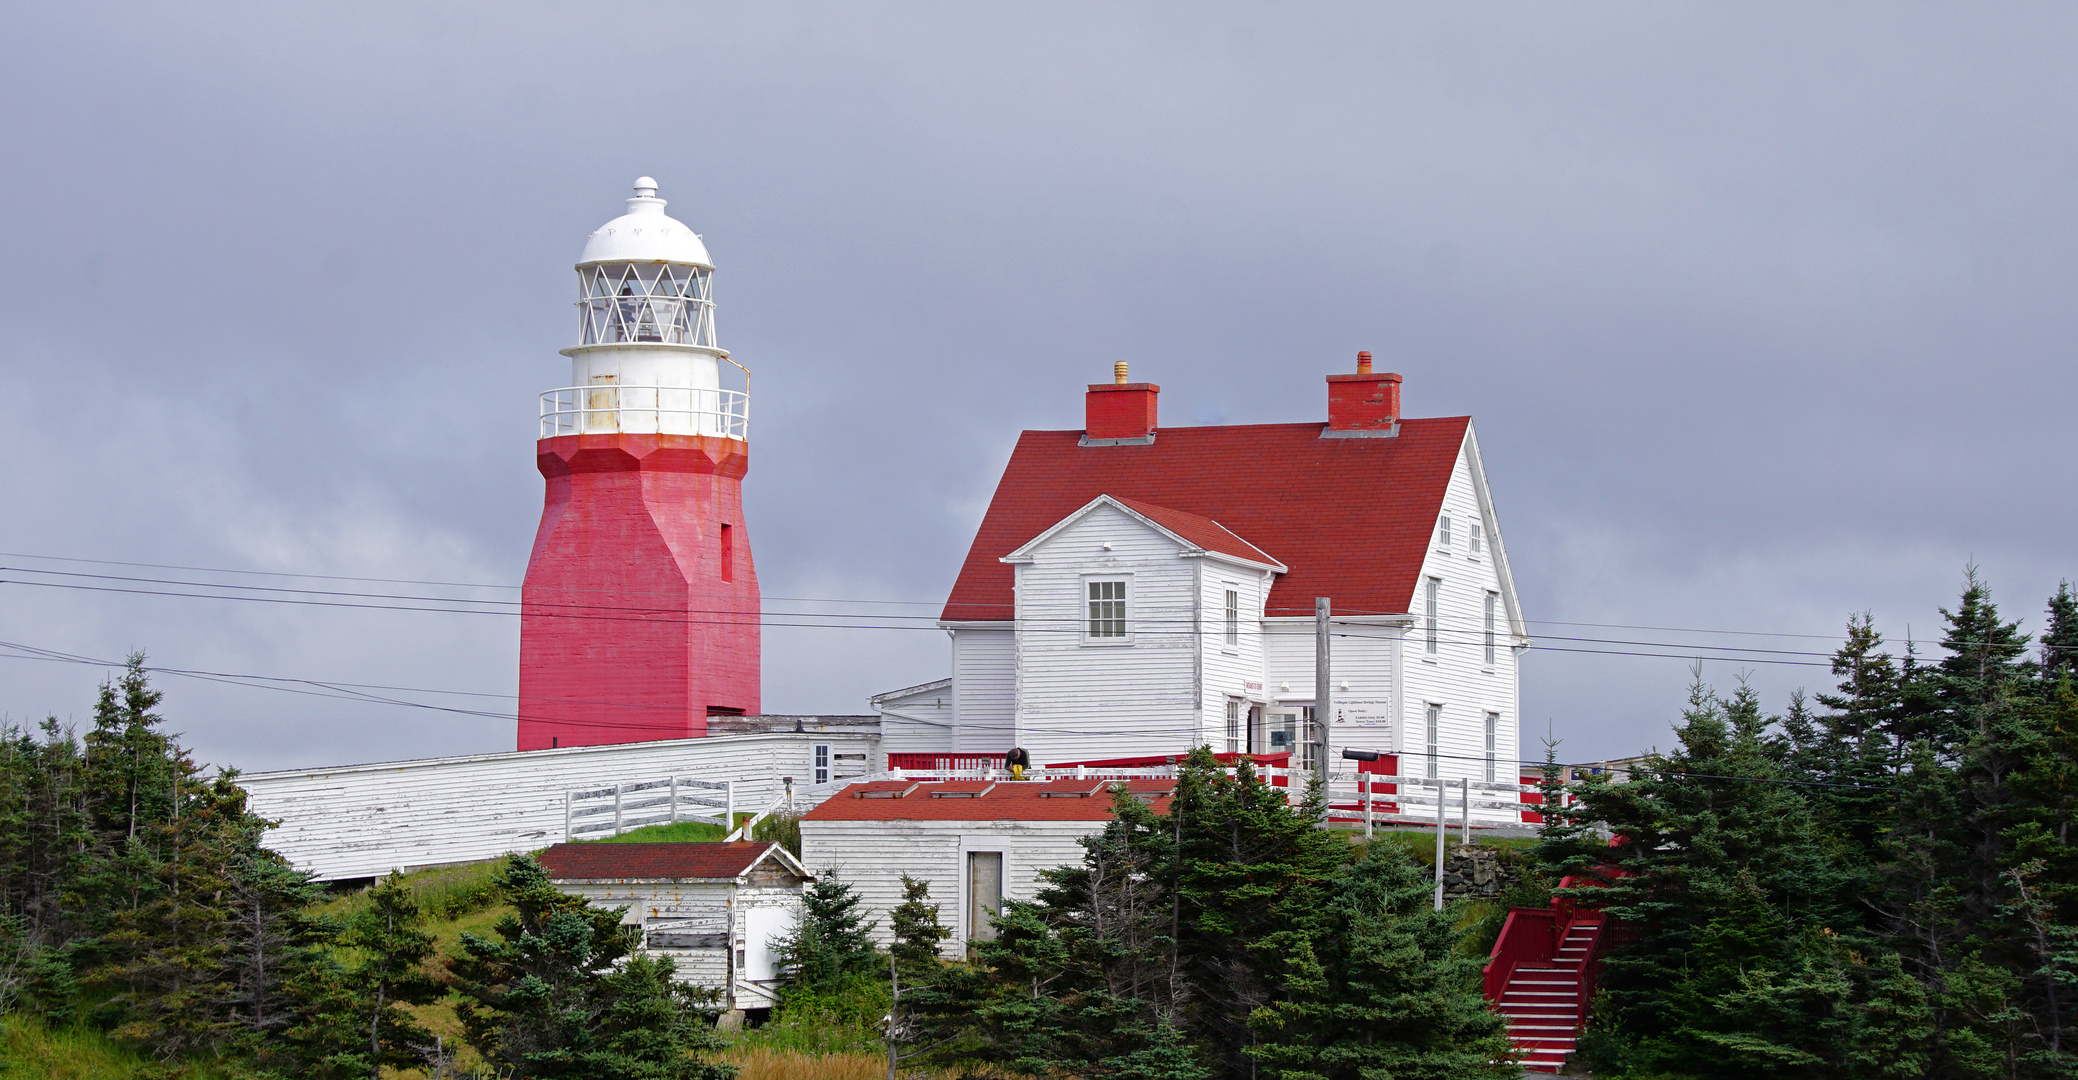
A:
(762, 926)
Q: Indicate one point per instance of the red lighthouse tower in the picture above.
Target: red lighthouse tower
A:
(640, 608)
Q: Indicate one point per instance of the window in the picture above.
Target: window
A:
(1493, 742)
(984, 893)
(1474, 540)
(1233, 617)
(1233, 723)
(822, 764)
(1443, 531)
(1493, 603)
(1107, 609)
(728, 556)
(1432, 594)
(1308, 739)
(1432, 722)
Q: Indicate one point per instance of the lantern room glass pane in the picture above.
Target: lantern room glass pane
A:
(620, 302)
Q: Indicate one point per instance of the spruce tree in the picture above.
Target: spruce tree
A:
(556, 993)
(830, 944)
(1371, 984)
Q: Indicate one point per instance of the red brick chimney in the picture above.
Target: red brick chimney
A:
(1120, 412)
(1363, 405)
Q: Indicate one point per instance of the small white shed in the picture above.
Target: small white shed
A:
(975, 842)
(714, 909)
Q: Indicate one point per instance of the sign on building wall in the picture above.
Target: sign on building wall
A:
(1363, 714)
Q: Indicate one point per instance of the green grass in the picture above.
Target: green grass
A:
(29, 1049)
(684, 832)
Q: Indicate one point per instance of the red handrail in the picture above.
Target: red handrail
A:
(1526, 938)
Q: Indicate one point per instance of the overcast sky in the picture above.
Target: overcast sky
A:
(1763, 313)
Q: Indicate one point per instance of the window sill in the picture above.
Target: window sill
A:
(1230, 650)
(1107, 643)
(1487, 670)
(1430, 660)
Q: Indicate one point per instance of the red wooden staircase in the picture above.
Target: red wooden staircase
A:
(1542, 973)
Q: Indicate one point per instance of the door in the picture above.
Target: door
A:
(984, 893)
(762, 926)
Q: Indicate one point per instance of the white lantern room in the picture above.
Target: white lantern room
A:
(646, 362)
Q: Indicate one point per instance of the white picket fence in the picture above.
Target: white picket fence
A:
(610, 811)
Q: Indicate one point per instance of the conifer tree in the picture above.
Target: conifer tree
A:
(354, 1022)
(1371, 984)
(556, 993)
(830, 944)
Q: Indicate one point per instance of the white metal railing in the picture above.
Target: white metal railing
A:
(614, 408)
(610, 811)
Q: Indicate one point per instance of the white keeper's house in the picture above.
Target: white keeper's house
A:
(1138, 590)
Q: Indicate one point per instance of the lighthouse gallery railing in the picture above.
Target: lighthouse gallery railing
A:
(613, 408)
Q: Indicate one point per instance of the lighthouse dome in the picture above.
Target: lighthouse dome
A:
(645, 234)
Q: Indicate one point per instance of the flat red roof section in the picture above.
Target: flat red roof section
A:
(597, 862)
(1352, 518)
(1006, 800)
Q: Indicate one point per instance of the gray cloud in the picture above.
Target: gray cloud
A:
(1762, 312)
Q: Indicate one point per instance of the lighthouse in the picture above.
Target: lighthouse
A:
(639, 613)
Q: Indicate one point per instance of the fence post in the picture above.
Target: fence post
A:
(1442, 826)
(674, 800)
(1467, 808)
(1365, 778)
(617, 813)
(566, 817)
(728, 806)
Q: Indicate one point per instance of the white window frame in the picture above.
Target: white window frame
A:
(1083, 602)
(1443, 531)
(1432, 608)
(1474, 540)
(1235, 719)
(1493, 607)
(1493, 744)
(1432, 737)
(1233, 616)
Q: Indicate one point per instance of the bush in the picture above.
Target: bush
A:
(844, 1022)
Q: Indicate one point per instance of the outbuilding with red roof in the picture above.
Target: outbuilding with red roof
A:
(713, 908)
(975, 843)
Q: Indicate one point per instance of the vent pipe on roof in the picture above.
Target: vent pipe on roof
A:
(1364, 405)
(1120, 413)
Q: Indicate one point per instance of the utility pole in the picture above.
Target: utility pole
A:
(1323, 695)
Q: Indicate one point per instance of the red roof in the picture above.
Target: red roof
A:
(984, 800)
(602, 862)
(1202, 531)
(1352, 518)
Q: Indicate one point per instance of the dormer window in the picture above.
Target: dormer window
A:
(1443, 531)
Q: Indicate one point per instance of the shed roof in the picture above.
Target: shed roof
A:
(647, 862)
(984, 800)
(1351, 518)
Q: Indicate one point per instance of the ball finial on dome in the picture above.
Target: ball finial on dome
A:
(645, 188)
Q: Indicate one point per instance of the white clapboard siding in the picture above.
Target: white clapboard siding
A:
(1456, 675)
(1230, 671)
(700, 925)
(872, 856)
(1084, 699)
(360, 821)
(917, 719)
(984, 689)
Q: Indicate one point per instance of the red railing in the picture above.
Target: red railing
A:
(1528, 937)
(944, 762)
